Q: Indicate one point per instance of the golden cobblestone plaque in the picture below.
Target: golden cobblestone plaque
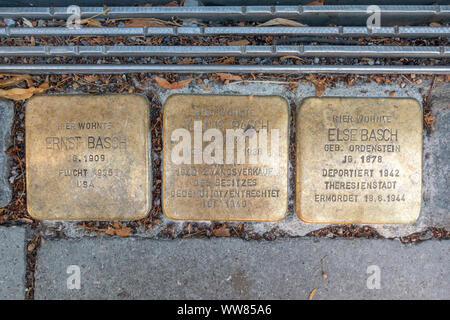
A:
(87, 157)
(225, 157)
(359, 160)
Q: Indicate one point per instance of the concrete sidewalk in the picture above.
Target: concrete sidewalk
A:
(236, 269)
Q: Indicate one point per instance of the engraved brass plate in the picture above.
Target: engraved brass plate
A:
(87, 157)
(225, 157)
(359, 160)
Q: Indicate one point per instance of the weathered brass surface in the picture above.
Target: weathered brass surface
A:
(359, 160)
(231, 186)
(87, 157)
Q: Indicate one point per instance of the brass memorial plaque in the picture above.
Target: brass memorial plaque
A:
(87, 157)
(359, 160)
(225, 157)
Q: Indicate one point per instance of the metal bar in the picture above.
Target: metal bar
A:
(331, 2)
(311, 15)
(428, 32)
(40, 3)
(244, 51)
(289, 69)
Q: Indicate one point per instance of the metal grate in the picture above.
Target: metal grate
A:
(411, 29)
(220, 51)
(427, 32)
(310, 15)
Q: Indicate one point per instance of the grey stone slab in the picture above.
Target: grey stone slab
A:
(12, 263)
(436, 160)
(236, 269)
(6, 119)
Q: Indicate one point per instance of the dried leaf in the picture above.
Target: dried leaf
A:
(242, 42)
(320, 88)
(27, 22)
(110, 231)
(149, 22)
(311, 295)
(318, 83)
(116, 229)
(14, 80)
(225, 60)
(379, 79)
(174, 4)
(21, 94)
(222, 231)
(229, 76)
(282, 22)
(91, 22)
(291, 57)
(117, 224)
(43, 87)
(429, 120)
(31, 246)
(123, 232)
(316, 3)
(187, 60)
(163, 83)
(91, 78)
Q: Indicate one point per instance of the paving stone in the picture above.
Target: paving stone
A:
(6, 118)
(236, 269)
(12, 263)
(436, 165)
